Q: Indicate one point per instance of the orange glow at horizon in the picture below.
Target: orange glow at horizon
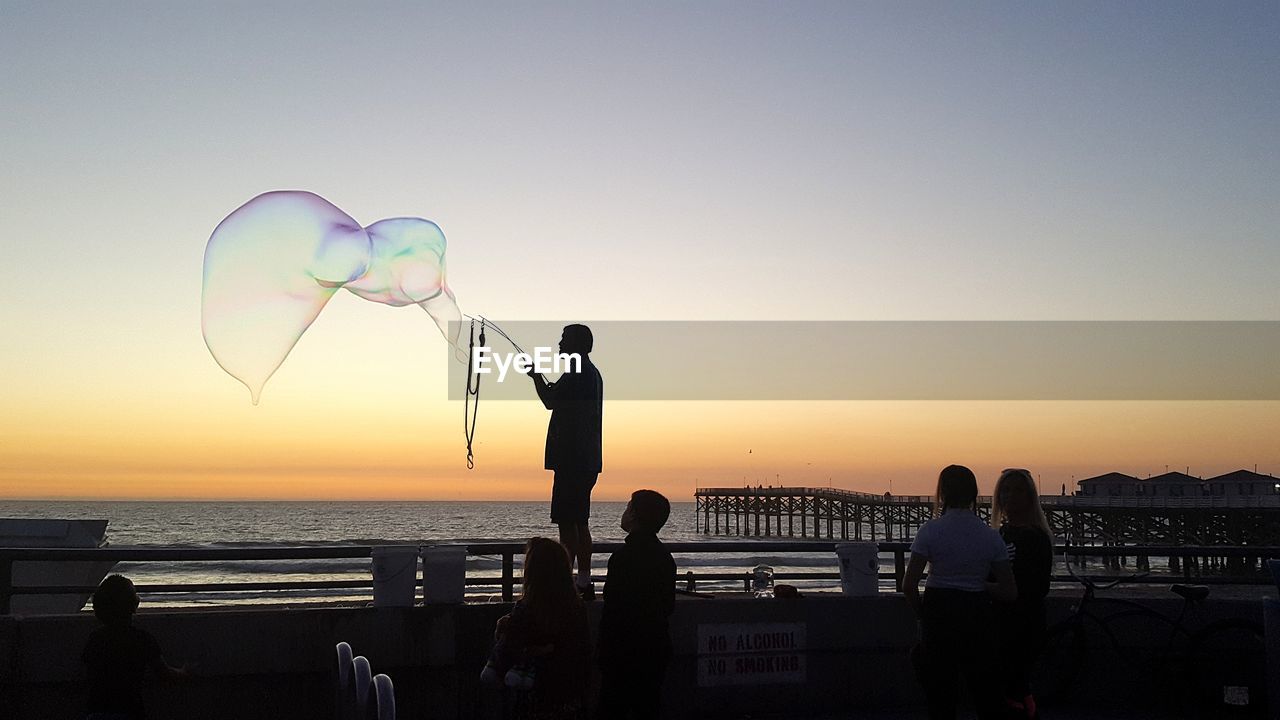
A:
(285, 451)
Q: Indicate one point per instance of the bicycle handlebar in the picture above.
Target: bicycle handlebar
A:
(1090, 584)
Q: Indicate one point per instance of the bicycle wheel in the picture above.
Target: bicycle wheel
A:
(1144, 637)
(1061, 663)
(1227, 670)
(1148, 646)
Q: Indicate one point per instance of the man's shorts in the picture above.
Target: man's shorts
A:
(571, 496)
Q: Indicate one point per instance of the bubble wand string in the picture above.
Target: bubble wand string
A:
(484, 320)
(469, 415)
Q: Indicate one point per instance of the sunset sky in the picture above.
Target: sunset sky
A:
(609, 161)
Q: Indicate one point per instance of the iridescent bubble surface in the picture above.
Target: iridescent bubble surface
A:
(272, 265)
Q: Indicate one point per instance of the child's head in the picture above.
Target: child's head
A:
(115, 601)
(648, 510)
(547, 576)
(957, 488)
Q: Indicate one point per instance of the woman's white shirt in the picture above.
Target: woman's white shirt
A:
(960, 548)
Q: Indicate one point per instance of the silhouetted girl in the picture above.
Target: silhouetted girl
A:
(957, 629)
(1016, 511)
(544, 643)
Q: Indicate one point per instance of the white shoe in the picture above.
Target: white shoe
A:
(520, 679)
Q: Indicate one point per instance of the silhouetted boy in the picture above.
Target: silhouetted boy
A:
(639, 595)
(118, 654)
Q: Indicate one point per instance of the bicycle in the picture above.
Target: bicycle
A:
(1216, 669)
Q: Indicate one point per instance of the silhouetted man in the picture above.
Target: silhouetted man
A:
(576, 402)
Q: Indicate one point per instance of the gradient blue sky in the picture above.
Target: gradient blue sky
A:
(623, 161)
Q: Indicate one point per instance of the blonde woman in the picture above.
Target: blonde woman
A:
(1017, 514)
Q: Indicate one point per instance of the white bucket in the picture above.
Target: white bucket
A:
(444, 573)
(859, 568)
(395, 575)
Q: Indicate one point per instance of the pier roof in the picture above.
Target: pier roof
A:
(1111, 477)
(1174, 477)
(1243, 476)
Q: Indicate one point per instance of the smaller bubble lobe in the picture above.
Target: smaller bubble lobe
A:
(272, 265)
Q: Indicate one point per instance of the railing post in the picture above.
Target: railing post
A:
(508, 576)
(899, 568)
(6, 584)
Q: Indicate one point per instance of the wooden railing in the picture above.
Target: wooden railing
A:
(508, 551)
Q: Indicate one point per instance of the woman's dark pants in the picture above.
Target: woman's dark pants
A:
(959, 638)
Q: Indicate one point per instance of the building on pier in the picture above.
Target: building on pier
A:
(1173, 484)
(1112, 484)
(1243, 482)
(1240, 483)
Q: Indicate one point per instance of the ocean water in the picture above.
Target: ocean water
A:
(232, 524)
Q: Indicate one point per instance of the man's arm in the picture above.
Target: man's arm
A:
(547, 392)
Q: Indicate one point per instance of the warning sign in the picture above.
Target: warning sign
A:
(751, 653)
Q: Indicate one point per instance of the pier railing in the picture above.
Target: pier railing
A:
(1065, 501)
(1192, 558)
(819, 513)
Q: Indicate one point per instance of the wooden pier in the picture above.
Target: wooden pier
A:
(804, 512)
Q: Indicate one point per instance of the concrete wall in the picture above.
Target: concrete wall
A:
(276, 663)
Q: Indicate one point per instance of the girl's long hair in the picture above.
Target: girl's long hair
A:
(548, 590)
(1035, 513)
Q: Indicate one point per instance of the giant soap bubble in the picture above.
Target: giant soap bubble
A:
(271, 266)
